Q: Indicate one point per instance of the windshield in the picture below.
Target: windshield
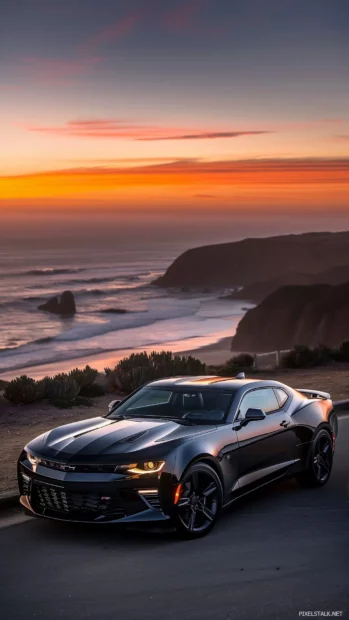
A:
(205, 406)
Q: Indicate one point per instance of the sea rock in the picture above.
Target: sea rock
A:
(114, 311)
(65, 306)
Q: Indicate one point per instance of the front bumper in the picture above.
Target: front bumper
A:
(99, 498)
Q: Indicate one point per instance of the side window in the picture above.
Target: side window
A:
(263, 398)
(282, 396)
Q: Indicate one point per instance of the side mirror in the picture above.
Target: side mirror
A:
(254, 414)
(113, 404)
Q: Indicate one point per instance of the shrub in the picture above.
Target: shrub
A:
(342, 353)
(322, 355)
(63, 387)
(140, 368)
(22, 390)
(84, 378)
(243, 361)
(238, 363)
(63, 403)
(63, 390)
(93, 391)
(3, 384)
(303, 357)
(44, 386)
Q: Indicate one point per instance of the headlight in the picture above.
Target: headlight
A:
(34, 460)
(149, 467)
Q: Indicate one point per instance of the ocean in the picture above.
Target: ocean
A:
(103, 278)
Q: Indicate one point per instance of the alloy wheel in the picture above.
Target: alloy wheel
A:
(198, 503)
(323, 458)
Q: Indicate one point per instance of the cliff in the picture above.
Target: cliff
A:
(259, 290)
(293, 315)
(253, 261)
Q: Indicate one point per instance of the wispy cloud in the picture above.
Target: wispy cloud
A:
(88, 54)
(123, 129)
(183, 16)
(186, 18)
(115, 32)
(209, 135)
(342, 137)
(60, 71)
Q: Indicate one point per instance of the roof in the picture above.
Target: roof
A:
(213, 382)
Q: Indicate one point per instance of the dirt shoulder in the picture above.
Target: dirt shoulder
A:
(20, 424)
(333, 379)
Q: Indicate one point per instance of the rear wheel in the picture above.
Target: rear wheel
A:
(320, 461)
(199, 501)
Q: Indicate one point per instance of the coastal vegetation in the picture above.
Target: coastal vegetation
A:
(80, 386)
(139, 368)
(304, 357)
(62, 390)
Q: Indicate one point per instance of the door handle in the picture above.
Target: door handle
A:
(284, 423)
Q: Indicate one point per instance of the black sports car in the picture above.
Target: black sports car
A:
(179, 449)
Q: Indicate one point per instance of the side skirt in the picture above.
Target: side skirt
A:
(244, 492)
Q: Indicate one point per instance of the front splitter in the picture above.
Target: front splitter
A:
(146, 516)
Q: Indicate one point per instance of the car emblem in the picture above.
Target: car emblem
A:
(67, 467)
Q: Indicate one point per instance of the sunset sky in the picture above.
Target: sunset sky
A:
(188, 104)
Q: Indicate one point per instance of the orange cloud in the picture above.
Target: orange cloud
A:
(117, 128)
(299, 183)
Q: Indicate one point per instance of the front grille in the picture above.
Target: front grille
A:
(80, 506)
(151, 498)
(78, 468)
(24, 484)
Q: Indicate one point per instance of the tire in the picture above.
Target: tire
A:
(319, 463)
(334, 424)
(199, 502)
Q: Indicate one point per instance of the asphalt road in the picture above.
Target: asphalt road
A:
(282, 551)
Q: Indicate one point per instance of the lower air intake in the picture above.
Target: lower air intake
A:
(151, 498)
(88, 507)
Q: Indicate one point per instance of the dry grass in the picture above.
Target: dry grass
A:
(20, 424)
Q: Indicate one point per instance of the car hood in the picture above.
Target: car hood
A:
(106, 439)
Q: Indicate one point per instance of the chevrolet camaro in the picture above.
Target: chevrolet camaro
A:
(179, 450)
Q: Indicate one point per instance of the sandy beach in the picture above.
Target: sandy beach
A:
(215, 353)
(210, 353)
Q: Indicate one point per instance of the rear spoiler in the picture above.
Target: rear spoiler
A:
(315, 394)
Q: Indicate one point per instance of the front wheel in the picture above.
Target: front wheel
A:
(320, 461)
(199, 501)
